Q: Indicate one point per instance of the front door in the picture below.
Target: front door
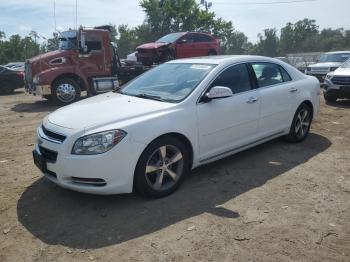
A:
(228, 123)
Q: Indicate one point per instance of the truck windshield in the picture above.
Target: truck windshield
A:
(168, 82)
(170, 38)
(68, 40)
(341, 57)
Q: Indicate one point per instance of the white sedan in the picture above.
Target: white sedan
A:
(149, 134)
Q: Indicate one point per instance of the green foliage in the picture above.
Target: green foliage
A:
(17, 48)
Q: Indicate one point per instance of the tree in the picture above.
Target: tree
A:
(268, 44)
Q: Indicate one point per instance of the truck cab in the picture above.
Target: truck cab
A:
(85, 60)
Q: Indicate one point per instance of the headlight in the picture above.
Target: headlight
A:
(329, 75)
(98, 143)
(36, 79)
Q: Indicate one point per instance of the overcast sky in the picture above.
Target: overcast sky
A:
(248, 16)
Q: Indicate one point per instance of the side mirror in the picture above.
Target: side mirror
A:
(218, 92)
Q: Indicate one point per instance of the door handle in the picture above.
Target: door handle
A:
(252, 100)
(293, 89)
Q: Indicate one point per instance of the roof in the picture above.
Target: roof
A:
(220, 59)
(338, 52)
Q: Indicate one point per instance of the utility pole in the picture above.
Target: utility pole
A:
(207, 5)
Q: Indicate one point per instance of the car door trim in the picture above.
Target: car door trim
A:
(242, 147)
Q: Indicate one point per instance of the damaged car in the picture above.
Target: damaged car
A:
(178, 45)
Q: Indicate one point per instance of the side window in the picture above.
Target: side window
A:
(190, 38)
(235, 77)
(286, 77)
(267, 74)
(203, 38)
(93, 42)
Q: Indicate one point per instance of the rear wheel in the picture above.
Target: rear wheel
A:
(162, 167)
(65, 91)
(6, 90)
(301, 124)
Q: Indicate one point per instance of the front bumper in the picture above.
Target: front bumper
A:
(340, 91)
(108, 173)
(38, 89)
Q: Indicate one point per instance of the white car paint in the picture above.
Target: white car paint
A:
(215, 129)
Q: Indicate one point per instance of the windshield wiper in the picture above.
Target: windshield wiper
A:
(148, 96)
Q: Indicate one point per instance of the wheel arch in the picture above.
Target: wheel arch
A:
(309, 104)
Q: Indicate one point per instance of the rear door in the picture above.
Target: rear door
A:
(226, 124)
(203, 43)
(277, 95)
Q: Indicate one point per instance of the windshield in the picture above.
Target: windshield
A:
(342, 57)
(346, 64)
(168, 82)
(67, 40)
(170, 38)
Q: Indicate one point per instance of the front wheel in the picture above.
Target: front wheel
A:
(329, 98)
(65, 91)
(301, 124)
(162, 167)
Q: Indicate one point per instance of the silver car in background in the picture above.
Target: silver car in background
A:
(337, 83)
(328, 63)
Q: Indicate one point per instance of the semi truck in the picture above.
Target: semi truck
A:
(86, 60)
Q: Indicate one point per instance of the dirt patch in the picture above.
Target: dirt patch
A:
(275, 202)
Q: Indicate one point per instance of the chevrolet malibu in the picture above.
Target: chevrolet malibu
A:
(149, 134)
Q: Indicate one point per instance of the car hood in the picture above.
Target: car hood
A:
(327, 64)
(105, 109)
(151, 45)
(50, 55)
(342, 72)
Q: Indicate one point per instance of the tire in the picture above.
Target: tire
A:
(301, 124)
(211, 53)
(157, 176)
(7, 90)
(329, 98)
(65, 91)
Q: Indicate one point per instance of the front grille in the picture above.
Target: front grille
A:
(52, 135)
(98, 182)
(341, 80)
(49, 155)
(319, 69)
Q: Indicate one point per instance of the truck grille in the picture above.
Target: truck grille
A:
(49, 155)
(52, 135)
(341, 80)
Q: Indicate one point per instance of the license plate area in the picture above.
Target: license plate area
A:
(39, 161)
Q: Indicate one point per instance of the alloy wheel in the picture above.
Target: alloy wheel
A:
(302, 123)
(164, 167)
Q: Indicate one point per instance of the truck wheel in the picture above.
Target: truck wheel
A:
(65, 91)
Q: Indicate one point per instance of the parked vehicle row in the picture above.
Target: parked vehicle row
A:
(175, 117)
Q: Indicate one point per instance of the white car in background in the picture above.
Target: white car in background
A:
(337, 83)
(182, 114)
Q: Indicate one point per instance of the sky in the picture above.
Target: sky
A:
(248, 16)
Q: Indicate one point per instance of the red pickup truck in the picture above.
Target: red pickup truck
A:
(178, 45)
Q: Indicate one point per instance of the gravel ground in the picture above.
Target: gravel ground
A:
(275, 202)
